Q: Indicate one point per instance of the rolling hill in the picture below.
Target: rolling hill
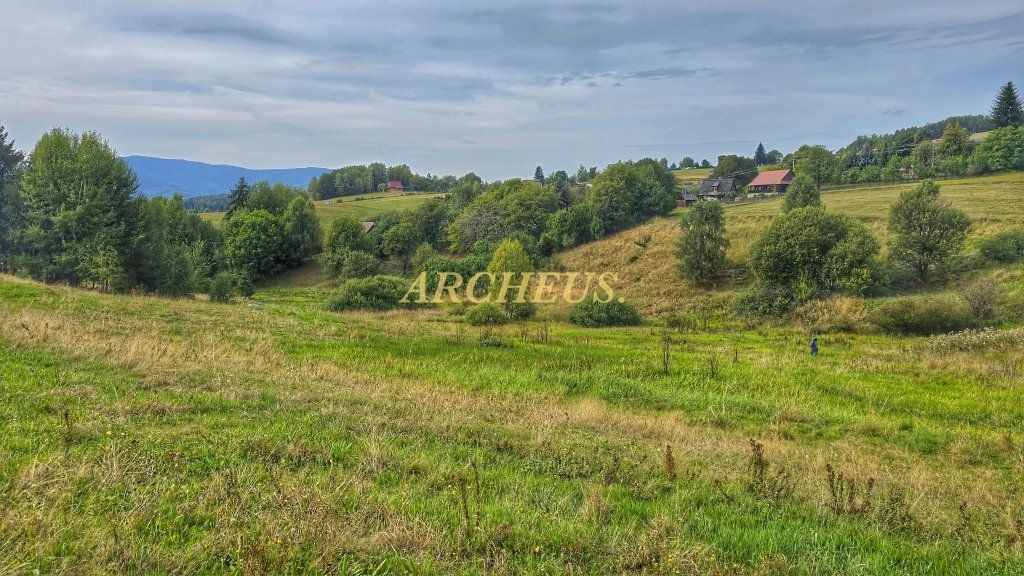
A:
(164, 176)
(644, 256)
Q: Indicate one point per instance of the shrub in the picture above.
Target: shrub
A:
(982, 297)
(243, 285)
(359, 264)
(486, 314)
(592, 313)
(761, 300)
(923, 316)
(222, 287)
(811, 251)
(373, 293)
(1006, 247)
(839, 313)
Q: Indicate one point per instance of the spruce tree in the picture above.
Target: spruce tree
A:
(760, 156)
(237, 198)
(538, 175)
(1006, 111)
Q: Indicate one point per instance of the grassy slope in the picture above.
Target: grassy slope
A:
(647, 274)
(281, 438)
(362, 207)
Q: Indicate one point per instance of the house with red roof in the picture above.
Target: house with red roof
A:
(395, 186)
(771, 182)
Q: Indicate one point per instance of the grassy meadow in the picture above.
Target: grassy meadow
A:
(361, 207)
(269, 436)
(146, 435)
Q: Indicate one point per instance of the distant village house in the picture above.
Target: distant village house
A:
(395, 186)
(716, 188)
(771, 182)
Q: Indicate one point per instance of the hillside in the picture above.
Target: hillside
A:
(361, 207)
(648, 274)
(164, 177)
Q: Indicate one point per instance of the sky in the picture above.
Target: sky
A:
(496, 88)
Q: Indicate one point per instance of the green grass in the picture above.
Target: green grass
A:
(279, 438)
(361, 207)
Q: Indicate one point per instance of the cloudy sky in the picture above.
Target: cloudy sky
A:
(497, 88)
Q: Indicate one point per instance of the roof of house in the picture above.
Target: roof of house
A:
(688, 197)
(395, 184)
(772, 178)
(724, 186)
(367, 226)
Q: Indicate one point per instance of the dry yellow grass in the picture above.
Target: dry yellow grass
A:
(648, 275)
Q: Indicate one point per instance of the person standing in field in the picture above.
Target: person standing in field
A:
(814, 346)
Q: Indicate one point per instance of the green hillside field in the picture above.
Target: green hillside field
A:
(151, 435)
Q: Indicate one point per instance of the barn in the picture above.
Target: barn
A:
(771, 182)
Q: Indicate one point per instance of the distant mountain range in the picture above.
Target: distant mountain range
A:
(165, 177)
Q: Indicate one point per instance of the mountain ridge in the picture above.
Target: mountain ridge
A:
(190, 178)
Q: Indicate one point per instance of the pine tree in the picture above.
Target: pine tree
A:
(10, 157)
(1006, 111)
(237, 198)
(538, 175)
(760, 156)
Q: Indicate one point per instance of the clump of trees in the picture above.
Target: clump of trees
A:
(269, 228)
(73, 214)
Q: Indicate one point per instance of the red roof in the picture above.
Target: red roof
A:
(772, 178)
(367, 226)
(395, 185)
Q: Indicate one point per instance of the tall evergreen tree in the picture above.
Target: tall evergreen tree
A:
(760, 156)
(1006, 111)
(538, 175)
(237, 198)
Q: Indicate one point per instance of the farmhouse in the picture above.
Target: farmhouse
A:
(716, 188)
(773, 181)
(395, 186)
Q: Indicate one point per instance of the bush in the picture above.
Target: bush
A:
(839, 313)
(923, 316)
(222, 288)
(1006, 247)
(486, 314)
(243, 285)
(985, 339)
(373, 293)
(592, 313)
(982, 297)
(359, 264)
(761, 300)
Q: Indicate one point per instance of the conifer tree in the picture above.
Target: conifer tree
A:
(237, 198)
(760, 156)
(1006, 110)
